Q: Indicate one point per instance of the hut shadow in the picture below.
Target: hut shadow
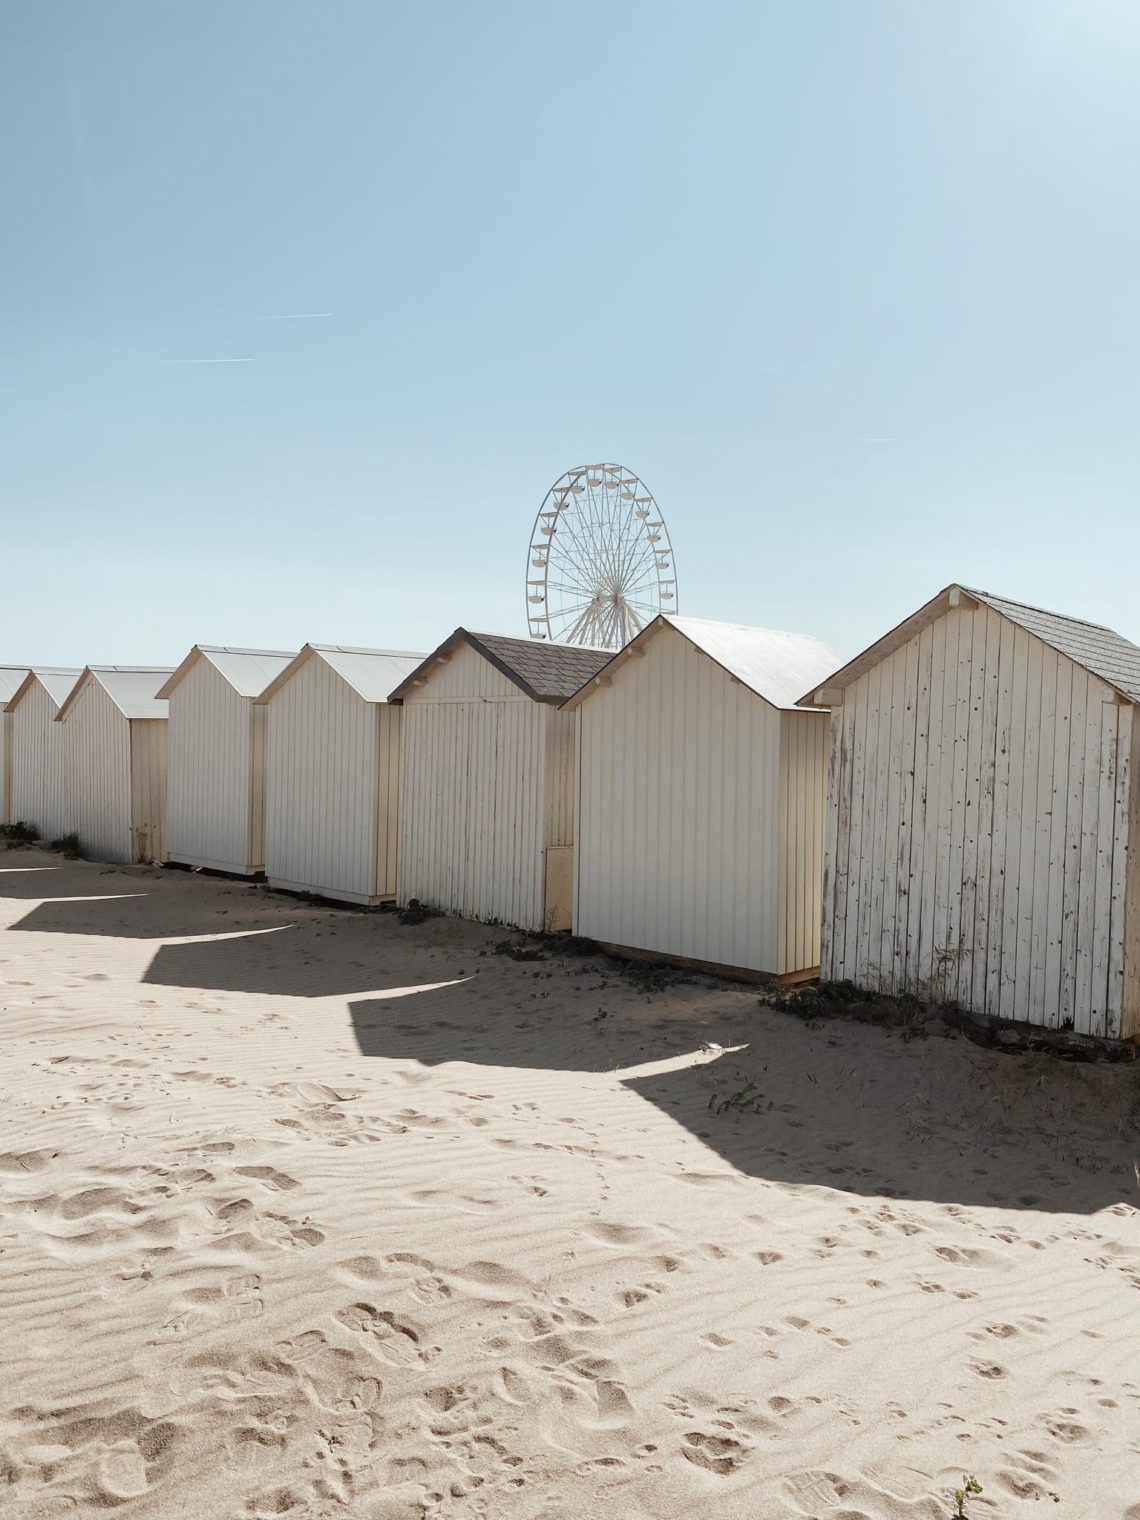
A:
(857, 1109)
(474, 1021)
(130, 908)
(942, 1121)
(43, 878)
(319, 955)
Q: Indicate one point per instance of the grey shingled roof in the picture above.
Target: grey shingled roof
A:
(546, 672)
(1099, 650)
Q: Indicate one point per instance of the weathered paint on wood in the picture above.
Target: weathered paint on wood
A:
(980, 819)
(487, 789)
(149, 762)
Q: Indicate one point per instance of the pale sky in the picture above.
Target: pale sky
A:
(304, 306)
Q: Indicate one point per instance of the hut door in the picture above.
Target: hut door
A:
(559, 888)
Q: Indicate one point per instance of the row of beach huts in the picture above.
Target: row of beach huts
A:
(950, 813)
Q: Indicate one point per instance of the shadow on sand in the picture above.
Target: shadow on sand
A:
(855, 1108)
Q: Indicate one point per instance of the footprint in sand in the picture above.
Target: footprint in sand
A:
(278, 1182)
(12, 1163)
(395, 1341)
(616, 1234)
(716, 1454)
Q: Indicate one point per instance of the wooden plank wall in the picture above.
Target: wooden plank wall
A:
(680, 813)
(98, 754)
(323, 777)
(472, 805)
(212, 803)
(803, 803)
(149, 769)
(977, 830)
(39, 784)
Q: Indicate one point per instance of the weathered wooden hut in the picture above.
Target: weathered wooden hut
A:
(983, 815)
(216, 777)
(37, 782)
(115, 748)
(487, 797)
(332, 772)
(701, 796)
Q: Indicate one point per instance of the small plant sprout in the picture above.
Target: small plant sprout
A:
(970, 1486)
(748, 1099)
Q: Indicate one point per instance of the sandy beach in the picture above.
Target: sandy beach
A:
(311, 1212)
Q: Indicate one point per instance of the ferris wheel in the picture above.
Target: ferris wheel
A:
(600, 564)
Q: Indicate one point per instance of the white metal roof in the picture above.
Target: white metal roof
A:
(769, 662)
(11, 678)
(248, 671)
(132, 688)
(57, 682)
(372, 673)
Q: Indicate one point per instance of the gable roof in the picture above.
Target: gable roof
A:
(248, 671)
(132, 688)
(11, 678)
(55, 680)
(543, 671)
(370, 672)
(769, 662)
(1100, 651)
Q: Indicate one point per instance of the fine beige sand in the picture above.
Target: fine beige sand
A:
(305, 1212)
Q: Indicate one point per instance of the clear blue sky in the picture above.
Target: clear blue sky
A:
(853, 286)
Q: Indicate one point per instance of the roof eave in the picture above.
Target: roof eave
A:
(632, 650)
(829, 693)
(285, 675)
(180, 674)
(423, 670)
(85, 675)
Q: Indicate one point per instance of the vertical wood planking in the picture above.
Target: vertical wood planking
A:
(1130, 997)
(211, 807)
(1105, 845)
(98, 751)
(1001, 958)
(39, 785)
(322, 783)
(1123, 966)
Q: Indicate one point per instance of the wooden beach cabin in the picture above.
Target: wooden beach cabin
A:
(983, 826)
(36, 771)
(115, 747)
(216, 778)
(487, 798)
(701, 793)
(332, 772)
(11, 678)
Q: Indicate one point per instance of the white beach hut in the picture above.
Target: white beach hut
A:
(36, 772)
(115, 749)
(332, 772)
(983, 815)
(216, 777)
(487, 797)
(11, 677)
(701, 798)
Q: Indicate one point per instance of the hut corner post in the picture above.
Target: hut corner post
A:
(1130, 1005)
